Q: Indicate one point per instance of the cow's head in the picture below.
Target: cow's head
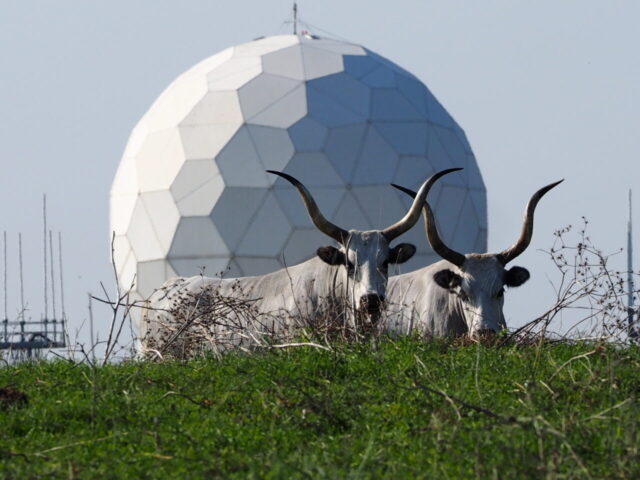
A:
(479, 280)
(363, 257)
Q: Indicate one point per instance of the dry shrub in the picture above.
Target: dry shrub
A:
(208, 321)
(589, 293)
(192, 324)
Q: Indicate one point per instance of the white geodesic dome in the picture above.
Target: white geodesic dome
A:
(191, 191)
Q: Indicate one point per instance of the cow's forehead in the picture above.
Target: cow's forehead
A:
(367, 243)
(483, 271)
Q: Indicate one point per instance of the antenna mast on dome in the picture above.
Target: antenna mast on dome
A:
(295, 18)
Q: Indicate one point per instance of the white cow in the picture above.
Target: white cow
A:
(353, 276)
(462, 294)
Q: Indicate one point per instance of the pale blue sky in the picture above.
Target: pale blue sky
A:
(544, 90)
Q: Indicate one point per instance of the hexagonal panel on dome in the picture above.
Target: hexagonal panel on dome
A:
(465, 233)
(312, 169)
(437, 154)
(308, 135)
(451, 199)
(240, 164)
(159, 160)
(273, 146)
(234, 73)
(215, 107)
(193, 176)
(126, 181)
(350, 214)
(124, 205)
(269, 218)
(286, 62)
(205, 141)
(328, 110)
(197, 237)
(377, 160)
(161, 210)
(319, 62)
(407, 138)
(234, 211)
(142, 236)
(202, 199)
(285, 112)
(347, 91)
(297, 248)
(359, 66)
(343, 148)
(391, 106)
(380, 77)
(192, 192)
(263, 91)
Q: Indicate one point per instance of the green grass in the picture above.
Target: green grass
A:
(404, 409)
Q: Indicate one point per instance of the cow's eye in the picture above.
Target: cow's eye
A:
(500, 294)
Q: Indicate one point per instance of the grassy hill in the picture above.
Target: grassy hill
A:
(397, 409)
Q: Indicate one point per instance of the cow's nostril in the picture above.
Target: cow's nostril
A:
(371, 302)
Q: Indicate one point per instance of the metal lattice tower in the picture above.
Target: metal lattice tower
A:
(633, 333)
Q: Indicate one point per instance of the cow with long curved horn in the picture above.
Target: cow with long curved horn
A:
(353, 275)
(463, 293)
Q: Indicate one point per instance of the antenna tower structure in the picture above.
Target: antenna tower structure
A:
(24, 337)
(633, 332)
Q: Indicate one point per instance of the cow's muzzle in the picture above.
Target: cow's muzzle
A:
(371, 303)
(485, 333)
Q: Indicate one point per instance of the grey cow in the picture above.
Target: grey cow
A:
(353, 275)
(462, 294)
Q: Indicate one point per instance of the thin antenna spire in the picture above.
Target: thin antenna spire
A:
(5, 276)
(64, 315)
(53, 283)
(44, 221)
(93, 341)
(295, 18)
(630, 305)
(21, 276)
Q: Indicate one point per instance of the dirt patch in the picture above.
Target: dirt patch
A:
(10, 396)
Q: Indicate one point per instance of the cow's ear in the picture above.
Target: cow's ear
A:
(447, 279)
(516, 276)
(401, 253)
(331, 255)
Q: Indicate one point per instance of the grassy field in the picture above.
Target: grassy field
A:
(400, 409)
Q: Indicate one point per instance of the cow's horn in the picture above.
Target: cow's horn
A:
(521, 245)
(325, 226)
(432, 233)
(410, 219)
